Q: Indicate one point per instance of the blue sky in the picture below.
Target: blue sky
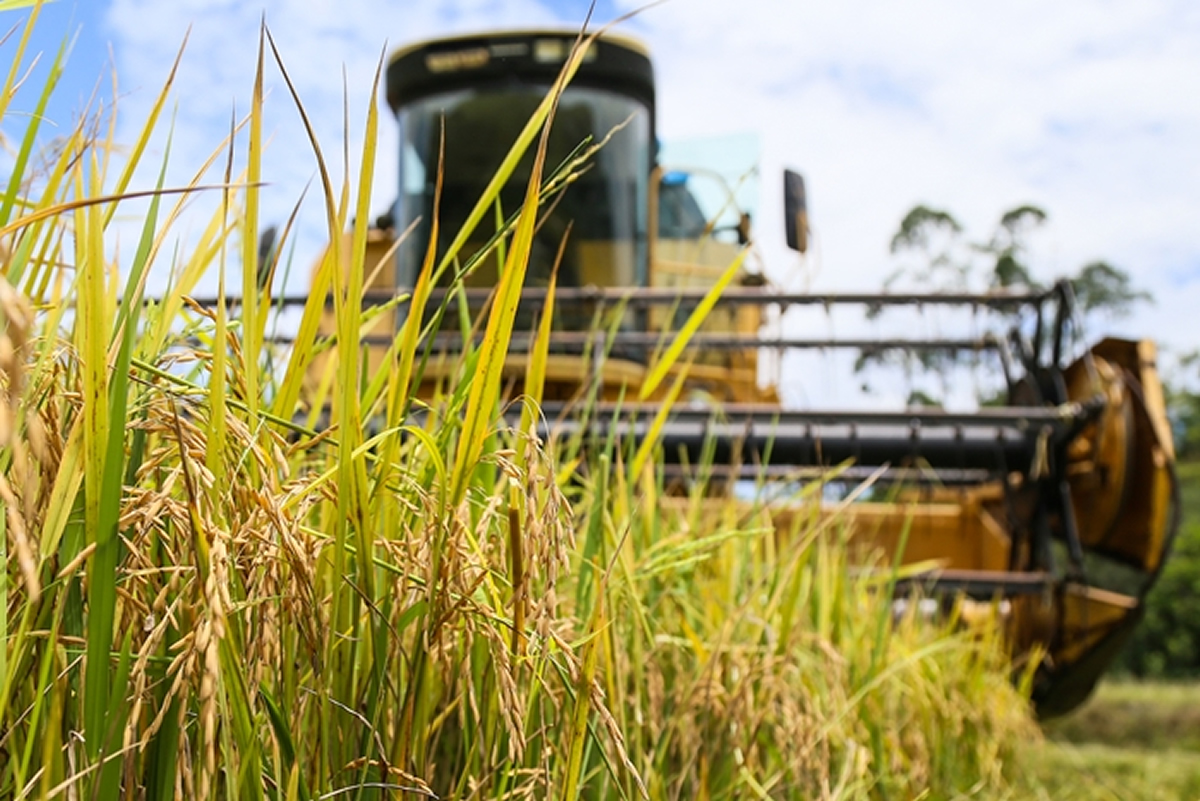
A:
(1089, 109)
(79, 21)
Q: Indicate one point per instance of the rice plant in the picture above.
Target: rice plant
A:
(206, 597)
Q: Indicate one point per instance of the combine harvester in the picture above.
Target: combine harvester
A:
(1072, 479)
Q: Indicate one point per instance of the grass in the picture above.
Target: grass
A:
(1189, 483)
(1131, 741)
(1139, 739)
(206, 600)
(1144, 715)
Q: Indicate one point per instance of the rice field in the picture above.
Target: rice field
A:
(209, 597)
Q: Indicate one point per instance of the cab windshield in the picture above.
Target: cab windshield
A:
(605, 207)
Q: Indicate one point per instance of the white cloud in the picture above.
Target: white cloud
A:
(1089, 109)
(330, 51)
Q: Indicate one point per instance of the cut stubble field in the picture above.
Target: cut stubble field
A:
(1131, 741)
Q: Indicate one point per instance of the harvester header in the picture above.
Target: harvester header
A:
(1060, 502)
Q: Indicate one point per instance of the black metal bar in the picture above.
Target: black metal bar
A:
(1027, 355)
(825, 444)
(1018, 526)
(851, 474)
(1061, 316)
(1066, 510)
(578, 341)
(982, 584)
(810, 443)
(1006, 364)
(704, 341)
(1040, 530)
(665, 296)
(993, 440)
(1038, 336)
(1018, 417)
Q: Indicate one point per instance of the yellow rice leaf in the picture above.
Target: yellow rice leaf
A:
(694, 321)
(485, 387)
(642, 456)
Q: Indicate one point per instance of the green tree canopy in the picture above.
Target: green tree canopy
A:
(1099, 286)
(938, 255)
(917, 226)
(946, 260)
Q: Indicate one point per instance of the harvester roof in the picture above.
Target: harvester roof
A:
(617, 63)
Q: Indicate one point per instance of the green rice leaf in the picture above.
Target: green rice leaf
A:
(102, 485)
(20, 166)
(252, 327)
(646, 448)
(694, 321)
(485, 387)
(539, 354)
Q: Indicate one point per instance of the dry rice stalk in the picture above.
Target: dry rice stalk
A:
(208, 641)
(17, 320)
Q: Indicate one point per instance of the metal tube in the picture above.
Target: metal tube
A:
(578, 341)
(1018, 417)
(852, 474)
(977, 447)
(665, 296)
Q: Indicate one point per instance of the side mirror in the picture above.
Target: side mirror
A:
(743, 229)
(795, 210)
(266, 256)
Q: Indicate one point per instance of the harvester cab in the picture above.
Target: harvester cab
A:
(1028, 506)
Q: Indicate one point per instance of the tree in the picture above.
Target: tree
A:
(933, 236)
(1008, 247)
(946, 263)
(930, 239)
(1183, 402)
(937, 257)
(1100, 286)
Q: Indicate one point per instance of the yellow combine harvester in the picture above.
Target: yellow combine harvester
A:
(1025, 504)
